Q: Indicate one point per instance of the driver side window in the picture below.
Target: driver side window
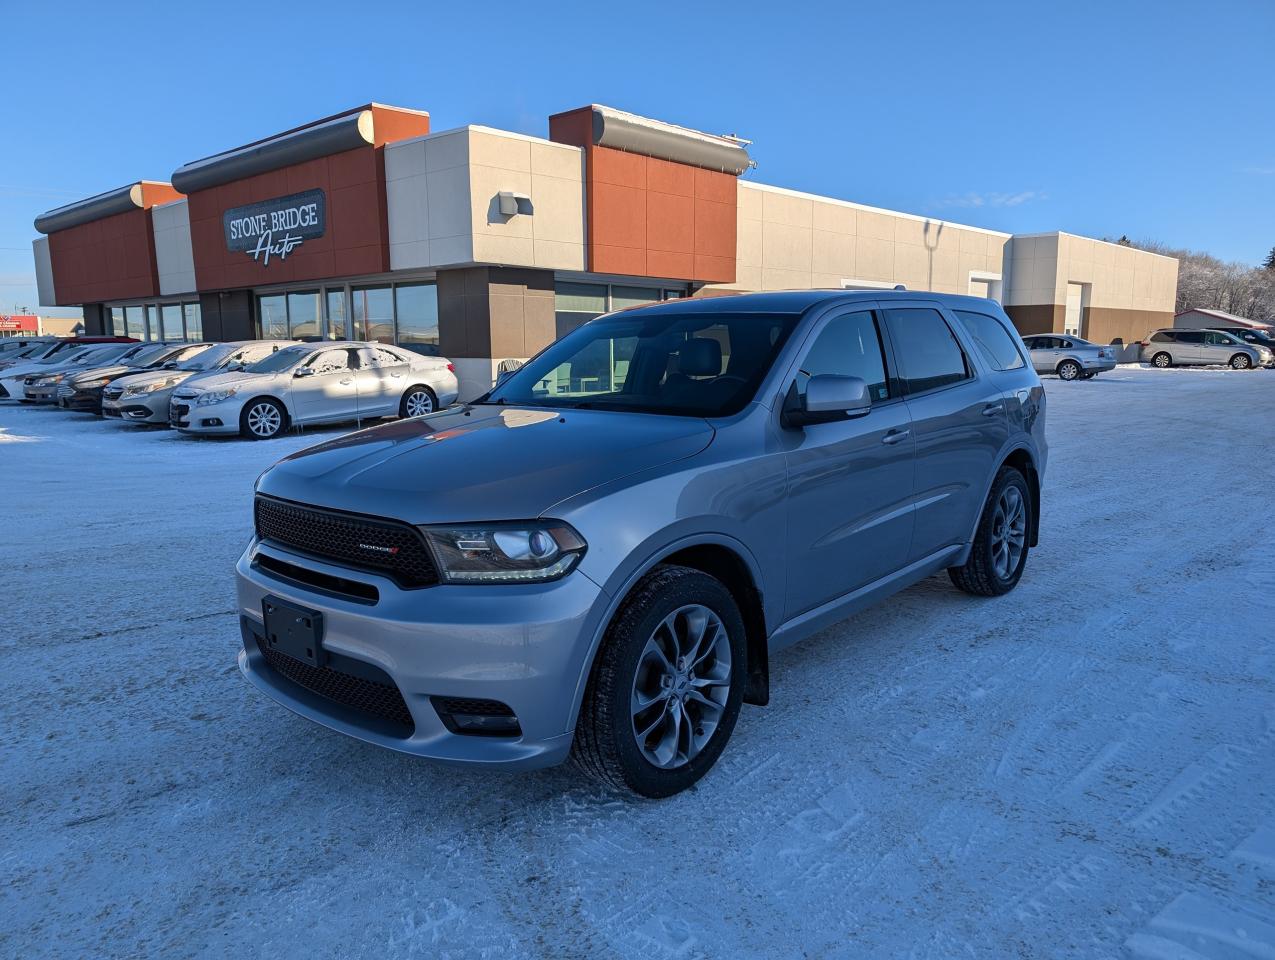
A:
(331, 361)
(848, 346)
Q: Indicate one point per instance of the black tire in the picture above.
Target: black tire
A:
(1162, 360)
(1069, 370)
(605, 747)
(1241, 361)
(415, 391)
(978, 576)
(247, 416)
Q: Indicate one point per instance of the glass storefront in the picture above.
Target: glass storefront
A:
(157, 321)
(305, 314)
(374, 313)
(135, 323)
(416, 317)
(272, 315)
(194, 320)
(171, 317)
(577, 303)
(336, 314)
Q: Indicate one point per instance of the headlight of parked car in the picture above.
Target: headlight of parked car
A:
(92, 384)
(47, 381)
(531, 552)
(215, 396)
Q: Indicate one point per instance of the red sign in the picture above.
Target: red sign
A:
(19, 321)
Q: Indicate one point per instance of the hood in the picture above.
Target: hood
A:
(38, 370)
(150, 376)
(110, 370)
(481, 463)
(220, 380)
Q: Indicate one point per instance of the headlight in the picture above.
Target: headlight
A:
(47, 381)
(92, 384)
(530, 552)
(215, 396)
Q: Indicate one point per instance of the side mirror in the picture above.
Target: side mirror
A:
(828, 397)
(304, 372)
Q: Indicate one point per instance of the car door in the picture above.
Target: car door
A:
(958, 421)
(1188, 347)
(1045, 356)
(381, 379)
(1219, 347)
(328, 391)
(850, 481)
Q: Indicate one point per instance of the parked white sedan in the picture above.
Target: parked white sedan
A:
(312, 383)
(1069, 356)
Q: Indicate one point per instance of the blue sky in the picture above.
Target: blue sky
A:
(1147, 118)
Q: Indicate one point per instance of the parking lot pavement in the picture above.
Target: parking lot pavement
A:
(1085, 767)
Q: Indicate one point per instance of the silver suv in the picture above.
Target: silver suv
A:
(1180, 347)
(597, 557)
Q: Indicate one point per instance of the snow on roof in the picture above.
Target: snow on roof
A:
(1223, 315)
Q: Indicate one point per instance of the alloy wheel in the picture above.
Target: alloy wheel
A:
(1068, 371)
(419, 403)
(1162, 360)
(264, 419)
(1240, 362)
(1009, 532)
(681, 686)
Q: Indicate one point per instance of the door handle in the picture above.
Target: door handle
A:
(346, 382)
(993, 408)
(895, 436)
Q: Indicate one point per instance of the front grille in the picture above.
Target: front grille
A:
(178, 414)
(113, 393)
(378, 699)
(368, 543)
(3, 391)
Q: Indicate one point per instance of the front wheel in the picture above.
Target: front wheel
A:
(417, 401)
(999, 552)
(1162, 360)
(1241, 361)
(1069, 370)
(262, 419)
(666, 687)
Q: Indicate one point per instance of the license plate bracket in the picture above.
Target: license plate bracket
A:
(294, 631)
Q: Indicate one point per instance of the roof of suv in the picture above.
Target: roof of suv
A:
(799, 301)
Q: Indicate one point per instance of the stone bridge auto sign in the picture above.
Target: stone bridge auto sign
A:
(274, 228)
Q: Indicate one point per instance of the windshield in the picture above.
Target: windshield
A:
(208, 359)
(653, 361)
(281, 360)
(106, 355)
(144, 358)
(67, 356)
(176, 356)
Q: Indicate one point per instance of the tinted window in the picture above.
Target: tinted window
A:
(653, 360)
(928, 354)
(1161, 337)
(1190, 336)
(992, 339)
(848, 346)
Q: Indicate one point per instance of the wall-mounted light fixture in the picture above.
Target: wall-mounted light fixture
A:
(512, 204)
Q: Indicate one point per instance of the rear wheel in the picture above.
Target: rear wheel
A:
(417, 401)
(999, 552)
(262, 419)
(1162, 360)
(666, 687)
(1069, 370)
(1241, 361)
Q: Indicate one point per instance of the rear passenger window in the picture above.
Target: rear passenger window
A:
(1190, 336)
(928, 353)
(1162, 337)
(848, 346)
(992, 339)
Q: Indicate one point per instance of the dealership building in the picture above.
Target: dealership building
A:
(485, 245)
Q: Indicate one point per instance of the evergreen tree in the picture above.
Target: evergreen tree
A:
(1269, 262)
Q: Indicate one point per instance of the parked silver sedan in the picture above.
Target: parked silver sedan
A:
(1173, 347)
(1071, 358)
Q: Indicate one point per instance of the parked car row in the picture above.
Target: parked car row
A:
(256, 388)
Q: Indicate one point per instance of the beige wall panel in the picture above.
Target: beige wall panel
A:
(876, 226)
(776, 279)
(778, 208)
(559, 206)
(557, 160)
(749, 201)
(444, 150)
(874, 259)
(833, 253)
(748, 243)
(835, 218)
(493, 150)
(785, 247)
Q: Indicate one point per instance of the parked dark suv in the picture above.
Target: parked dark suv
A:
(597, 557)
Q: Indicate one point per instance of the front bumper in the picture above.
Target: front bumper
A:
(89, 401)
(137, 408)
(186, 415)
(41, 394)
(523, 645)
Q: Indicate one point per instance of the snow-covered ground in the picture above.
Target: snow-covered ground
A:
(1085, 768)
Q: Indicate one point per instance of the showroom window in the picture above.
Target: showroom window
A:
(119, 327)
(416, 313)
(336, 314)
(305, 314)
(577, 303)
(272, 315)
(171, 320)
(134, 323)
(374, 313)
(194, 319)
